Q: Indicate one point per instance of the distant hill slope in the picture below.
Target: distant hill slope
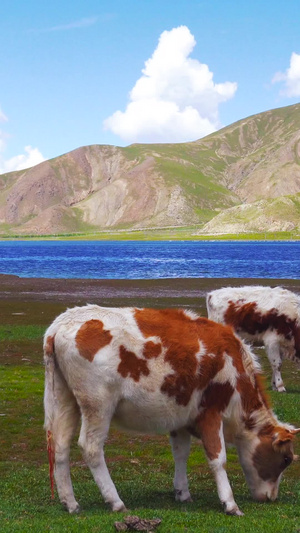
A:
(216, 183)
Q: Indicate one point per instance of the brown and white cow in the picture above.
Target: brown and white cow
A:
(257, 313)
(159, 371)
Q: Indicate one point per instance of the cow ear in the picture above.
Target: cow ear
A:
(282, 439)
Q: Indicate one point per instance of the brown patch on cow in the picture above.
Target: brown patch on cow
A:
(266, 431)
(260, 384)
(244, 317)
(217, 396)
(251, 401)
(131, 365)
(208, 429)
(91, 337)
(270, 461)
(183, 337)
(209, 367)
(219, 339)
(180, 386)
(179, 335)
(207, 425)
(253, 397)
(214, 402)
(151, 350)
(49, 345)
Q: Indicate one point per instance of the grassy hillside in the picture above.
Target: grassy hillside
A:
(245, 177)
(278, 214)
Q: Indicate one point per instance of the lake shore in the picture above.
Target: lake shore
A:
(186, 292)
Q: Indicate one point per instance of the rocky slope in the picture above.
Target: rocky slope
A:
(245, 177)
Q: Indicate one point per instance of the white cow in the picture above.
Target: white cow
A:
(257, 313)
(159, 371)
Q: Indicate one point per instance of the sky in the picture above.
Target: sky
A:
(121, 72)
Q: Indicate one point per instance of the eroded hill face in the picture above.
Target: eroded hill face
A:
(266, 149)
(217, 182)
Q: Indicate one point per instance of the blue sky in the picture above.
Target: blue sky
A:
(117, 72)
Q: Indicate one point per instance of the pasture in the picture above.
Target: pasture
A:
(141, 466)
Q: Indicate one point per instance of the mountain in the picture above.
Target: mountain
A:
(245, 177)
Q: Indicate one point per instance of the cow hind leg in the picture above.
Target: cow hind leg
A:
(273, 353)
(94, 430)
(61, 420)
(181, 443)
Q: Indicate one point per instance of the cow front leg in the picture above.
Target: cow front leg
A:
(210, 427)
(274, 356)
(181, 443)
(92, 436)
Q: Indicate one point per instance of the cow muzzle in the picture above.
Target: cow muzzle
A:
(270, 494)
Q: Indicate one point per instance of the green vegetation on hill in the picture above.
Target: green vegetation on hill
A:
(243, 178)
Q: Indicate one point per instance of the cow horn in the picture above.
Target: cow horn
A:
(295, 431)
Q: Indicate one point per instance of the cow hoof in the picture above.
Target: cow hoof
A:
(119, 508)
(234, 511)
(239, 513)
(74, 509)
(182, 497)
(188, 499)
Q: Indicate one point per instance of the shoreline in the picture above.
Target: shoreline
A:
(184, 291)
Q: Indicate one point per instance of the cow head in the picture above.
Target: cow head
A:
(264, 457)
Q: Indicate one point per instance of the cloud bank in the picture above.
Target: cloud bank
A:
(175, 99)
(290, 78)
(31, 157)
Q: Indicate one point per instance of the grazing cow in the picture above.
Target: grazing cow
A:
(159, 371)
(270, 315)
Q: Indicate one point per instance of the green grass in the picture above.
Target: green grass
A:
(187, 233)
(16, 333)
(141, 466)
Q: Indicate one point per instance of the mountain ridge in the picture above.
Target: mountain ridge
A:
(228, 175)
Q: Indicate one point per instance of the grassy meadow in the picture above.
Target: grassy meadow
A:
(174, 233)
(141, 466)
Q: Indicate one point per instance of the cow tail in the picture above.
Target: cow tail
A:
(49, 404)
(250, 359)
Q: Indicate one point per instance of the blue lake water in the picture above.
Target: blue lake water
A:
(150, 260)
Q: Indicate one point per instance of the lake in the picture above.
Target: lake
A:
(150, 260)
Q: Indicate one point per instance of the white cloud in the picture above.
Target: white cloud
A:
(31, 157)
(290, 78)
(175, 99)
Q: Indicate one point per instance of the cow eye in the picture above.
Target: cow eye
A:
(287, 460)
